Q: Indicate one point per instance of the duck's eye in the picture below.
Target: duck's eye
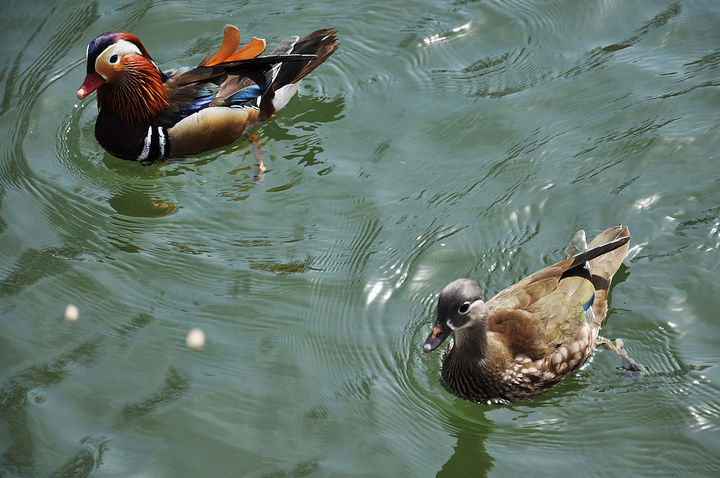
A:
(113, 59)
(465, 307)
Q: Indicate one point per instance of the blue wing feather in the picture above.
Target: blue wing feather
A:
(204, 95)
(589, 303)
(246, 94)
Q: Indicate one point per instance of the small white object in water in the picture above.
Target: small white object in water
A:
(71, 313)
(195, 339)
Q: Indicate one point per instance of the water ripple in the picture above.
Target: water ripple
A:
(600, 56)
(527, 63)
(465, 140)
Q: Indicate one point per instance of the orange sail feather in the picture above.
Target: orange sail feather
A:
(227, 51)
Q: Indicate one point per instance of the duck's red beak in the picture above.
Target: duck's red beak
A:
(92, 82)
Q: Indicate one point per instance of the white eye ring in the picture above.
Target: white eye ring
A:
(113, 59)
(465, 307)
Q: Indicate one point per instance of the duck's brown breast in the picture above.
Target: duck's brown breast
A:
(498, 378)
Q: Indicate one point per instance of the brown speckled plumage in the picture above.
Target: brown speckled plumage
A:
(532, 335)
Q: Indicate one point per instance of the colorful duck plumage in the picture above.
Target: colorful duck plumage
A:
(146, 114)
(532, 335)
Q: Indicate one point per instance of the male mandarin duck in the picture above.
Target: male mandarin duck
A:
(146, 114)
(534, 334)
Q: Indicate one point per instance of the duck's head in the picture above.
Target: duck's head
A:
(461, 304)
(127, 80)
(109, 56)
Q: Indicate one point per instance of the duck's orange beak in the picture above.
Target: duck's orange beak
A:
(92, 82)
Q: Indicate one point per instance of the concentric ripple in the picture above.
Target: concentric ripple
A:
(442, 140)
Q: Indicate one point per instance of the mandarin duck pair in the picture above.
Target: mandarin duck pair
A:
(146, 114)
(520, 343)
(534, 334)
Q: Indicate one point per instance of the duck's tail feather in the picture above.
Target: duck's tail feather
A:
(593, 267)
(287, 75)
(609, 240)
(598, 262)
(604, 267)
(577, 244)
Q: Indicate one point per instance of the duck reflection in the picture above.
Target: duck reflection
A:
(469, 452)
(140, 204)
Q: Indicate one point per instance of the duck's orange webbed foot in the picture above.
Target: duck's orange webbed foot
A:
(259, 156)
(629, 364)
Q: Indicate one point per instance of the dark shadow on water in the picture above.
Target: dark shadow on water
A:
(176, 384)
(157, 170)
(469, 452)
(622, 274)
(17, 392)
(283, 268)
(306, 468)
(139, 204)
(36, 264)
(86, 460)
(20, 390)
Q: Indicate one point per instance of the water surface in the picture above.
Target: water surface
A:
(443, 139)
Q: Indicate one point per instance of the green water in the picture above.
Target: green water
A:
(443, 139)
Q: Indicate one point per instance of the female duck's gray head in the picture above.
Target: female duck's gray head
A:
(460, 304)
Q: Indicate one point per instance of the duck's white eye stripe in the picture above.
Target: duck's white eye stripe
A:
(146, 145)
(476, 303)
(124, 47)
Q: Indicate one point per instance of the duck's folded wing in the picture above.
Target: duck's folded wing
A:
(235, 83)
(529, 290)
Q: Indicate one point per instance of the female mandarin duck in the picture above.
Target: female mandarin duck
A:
(534, 334)
(146, 114)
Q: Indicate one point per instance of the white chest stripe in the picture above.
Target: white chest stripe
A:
(161, 142)
(146, 146)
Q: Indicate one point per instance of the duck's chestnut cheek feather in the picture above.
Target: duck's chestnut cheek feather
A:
(92, 82)
(436, 337)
